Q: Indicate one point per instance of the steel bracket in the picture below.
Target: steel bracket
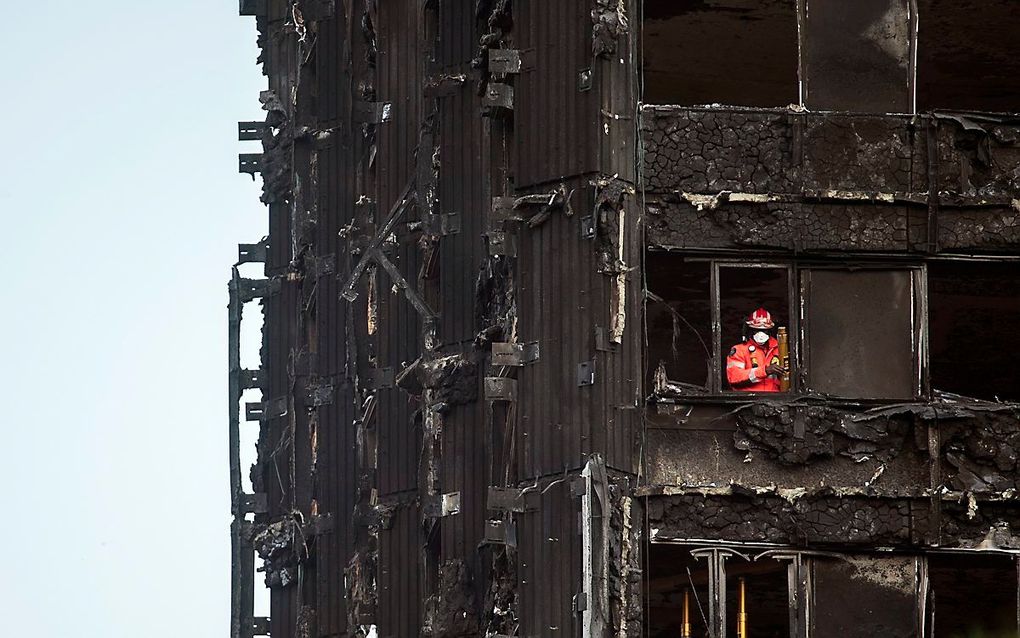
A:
(586, 373)
(258, 8)
(250, 131)
(504, 61)
(250, 379)
(260, 626)
(253, 253)
(588, 227)
(249, 163)
(500, 389)
(514, 354)
(506, 499)
(254, 503)
(499, 96)
(251, 289)
(272, 409)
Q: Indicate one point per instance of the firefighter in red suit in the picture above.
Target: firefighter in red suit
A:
(754, 365)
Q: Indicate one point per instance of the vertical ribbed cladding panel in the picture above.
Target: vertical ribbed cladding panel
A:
(563, 298)
(280, 330)
(623, 365)
(399, 83)
(554, 120)
(464, 469)
(616, 76)
(337, 462)
(457, 41)
(463, 189)
(560, 298)
(549, 563)
(332, 71)
(400, 577)
(463, 170)
(274, 446)
(336, 465)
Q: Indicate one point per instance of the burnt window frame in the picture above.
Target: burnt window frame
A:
(800, 377)
(715, 380)
(801, 564)
(919, 326)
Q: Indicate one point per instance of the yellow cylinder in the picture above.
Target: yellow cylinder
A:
(685, 629)
(784, 358)
(742, 613)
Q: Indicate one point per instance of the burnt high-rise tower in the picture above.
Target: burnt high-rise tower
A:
(512, 244)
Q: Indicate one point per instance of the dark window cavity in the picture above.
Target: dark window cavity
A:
(679, 315)
(736, 52)
(974, 318)
(968, 55)
(973, 595)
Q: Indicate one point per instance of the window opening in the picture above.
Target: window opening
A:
(677, 588)
(679, 319)
(973, 595)
(859, 596)
(763, 588)
(968, 56)
(854, 332)
(736, 52)
(862, 332)
(974, 317)
(752, 301)
(857, 55)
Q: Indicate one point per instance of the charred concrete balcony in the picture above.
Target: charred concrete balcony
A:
(789, 180)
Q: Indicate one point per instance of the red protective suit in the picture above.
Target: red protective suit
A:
(746, 359)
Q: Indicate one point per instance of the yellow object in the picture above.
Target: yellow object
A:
(784, 358)
(742, 614)
(685, 629)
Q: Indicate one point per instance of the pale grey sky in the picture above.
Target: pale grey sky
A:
(121, 208)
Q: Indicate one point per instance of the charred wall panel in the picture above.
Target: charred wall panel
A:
(399, 83)
(457, 40)
(763, 446)
(336, 464)
(400, 585)
(567, 286)
(549, 551)
(616, 78)
(463, 191)
(555, 119)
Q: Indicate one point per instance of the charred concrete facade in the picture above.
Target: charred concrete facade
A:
(510, 243)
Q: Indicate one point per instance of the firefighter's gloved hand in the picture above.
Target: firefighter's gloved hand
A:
(775, 371)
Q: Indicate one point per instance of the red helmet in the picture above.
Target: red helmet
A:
(760, 319)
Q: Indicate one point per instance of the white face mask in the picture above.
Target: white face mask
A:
(761, 338)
